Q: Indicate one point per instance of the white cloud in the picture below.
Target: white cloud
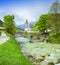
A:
(30, 13)
(21, 14)
(25, 14)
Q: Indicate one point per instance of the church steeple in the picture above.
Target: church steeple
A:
(27, 27)
(26, 24)
(26, 20)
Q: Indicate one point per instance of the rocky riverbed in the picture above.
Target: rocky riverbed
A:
(41, 53)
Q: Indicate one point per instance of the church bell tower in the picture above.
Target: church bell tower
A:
(27, 27)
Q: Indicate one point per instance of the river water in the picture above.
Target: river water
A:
(40, 53)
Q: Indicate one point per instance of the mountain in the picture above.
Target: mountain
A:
(22, 26)
(32, 23)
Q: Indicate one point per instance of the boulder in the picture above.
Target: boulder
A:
(58, 60)
(42, 58)
(36, 63)
(30, 56)
(50, 63)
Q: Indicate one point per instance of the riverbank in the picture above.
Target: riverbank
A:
(10, 54)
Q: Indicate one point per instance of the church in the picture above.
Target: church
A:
(27, 26)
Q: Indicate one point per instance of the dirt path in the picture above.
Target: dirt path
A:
(3, 38)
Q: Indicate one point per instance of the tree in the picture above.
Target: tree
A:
(9, 24)
(41, 24)
(35, 27)
(54, 16)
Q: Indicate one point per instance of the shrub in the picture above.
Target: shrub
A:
(54, 38)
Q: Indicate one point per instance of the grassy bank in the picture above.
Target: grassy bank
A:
(10, 54)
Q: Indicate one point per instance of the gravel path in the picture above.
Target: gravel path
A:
(3, 38)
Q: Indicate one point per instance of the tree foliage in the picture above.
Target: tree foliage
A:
(41, 23)
(54, 16)
(9, 24)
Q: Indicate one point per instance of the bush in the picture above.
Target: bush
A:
(54, 38)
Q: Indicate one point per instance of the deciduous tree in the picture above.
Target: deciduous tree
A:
(9, 24)
(41, 24)
(54, 16)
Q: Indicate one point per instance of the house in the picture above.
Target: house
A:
(1, 23)
(1, 27)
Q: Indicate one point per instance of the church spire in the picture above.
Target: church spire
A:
(26, 20)
(27, 27)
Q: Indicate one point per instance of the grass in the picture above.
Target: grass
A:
(10, 54)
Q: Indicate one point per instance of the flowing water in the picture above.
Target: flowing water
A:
(40, 53)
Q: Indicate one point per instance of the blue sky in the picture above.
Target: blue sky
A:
(24, 9)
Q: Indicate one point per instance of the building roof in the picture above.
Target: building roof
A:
(2, 28)
(1, 23)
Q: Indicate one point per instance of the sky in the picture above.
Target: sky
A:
(24, 9)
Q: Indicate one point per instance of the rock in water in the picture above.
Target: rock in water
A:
(42, 58)
(58, 60)
(31, 56)
(50, 63)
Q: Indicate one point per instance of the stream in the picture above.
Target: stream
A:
(40, 53)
